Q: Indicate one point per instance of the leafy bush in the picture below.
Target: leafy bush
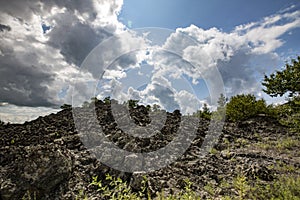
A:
(244, 106)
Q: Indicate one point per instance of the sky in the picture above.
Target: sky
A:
(176, 53)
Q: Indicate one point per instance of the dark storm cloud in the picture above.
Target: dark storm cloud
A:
(237, 73)
(25, 9)
(74, 39)
(22, 84)
(30, 62)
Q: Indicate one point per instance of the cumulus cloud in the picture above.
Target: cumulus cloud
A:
(233, 53)
(241, 57)
(188, 102)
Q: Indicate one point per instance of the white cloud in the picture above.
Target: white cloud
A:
(110, 74)
(233, 53)
(188, 102)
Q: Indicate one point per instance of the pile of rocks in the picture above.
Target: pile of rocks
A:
(49, 158)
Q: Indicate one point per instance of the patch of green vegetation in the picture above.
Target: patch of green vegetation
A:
(213, 151)
(242, 142)
(284, 144)
(239, 188)
(284, 188)
(12, 141)
(280, 83)
(117, 189)
(210, 189)
(81, 196)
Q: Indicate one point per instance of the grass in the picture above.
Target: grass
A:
(117, 189)
(239, 188)
(284, 144)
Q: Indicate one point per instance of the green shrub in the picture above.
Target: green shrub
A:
(244, 106)
(132, 103)
(106, 100)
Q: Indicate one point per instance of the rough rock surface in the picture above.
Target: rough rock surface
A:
(46, 157)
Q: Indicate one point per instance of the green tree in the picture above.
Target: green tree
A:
(219, 114)
(280, 83)
(204, 113)
(287, 80)
(222, 100)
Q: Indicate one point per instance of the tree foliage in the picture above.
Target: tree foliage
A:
(287, 80)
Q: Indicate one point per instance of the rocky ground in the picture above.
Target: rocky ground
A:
(46, 157)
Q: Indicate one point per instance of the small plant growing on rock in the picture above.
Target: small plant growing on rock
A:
(116, 189)
(241, 186)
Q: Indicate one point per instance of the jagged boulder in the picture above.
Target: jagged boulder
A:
(37, 170)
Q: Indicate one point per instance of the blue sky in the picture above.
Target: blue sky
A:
(197, 47)
(224, 15)
(206, 14)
